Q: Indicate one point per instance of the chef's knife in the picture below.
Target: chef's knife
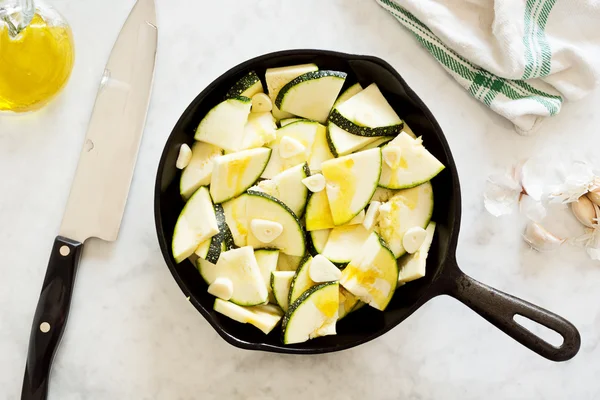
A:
(100, 186)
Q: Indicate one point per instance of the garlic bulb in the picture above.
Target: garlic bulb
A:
(540, 239)
(584, 211)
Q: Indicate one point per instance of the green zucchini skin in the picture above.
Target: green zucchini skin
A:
(242, 84)
(292, 307)
(223, 240)
(338, 119)
(330, 142)
(306, 77)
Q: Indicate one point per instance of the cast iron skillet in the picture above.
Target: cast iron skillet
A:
(443, 274)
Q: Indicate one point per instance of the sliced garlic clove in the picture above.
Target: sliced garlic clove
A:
(413, 239)
(261, 103)
(315, 183)
(358, 219)
(222, 288)
(392, 155)
(371, 215)
(584, 210)
(264, 230)
(540, 239)
(289, 147)
(323, 270)
(184, 157)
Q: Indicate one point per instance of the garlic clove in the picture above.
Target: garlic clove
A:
(315, 183)
(540, 239)
(261, 103)
(184, 157)
(584, 211)
(413, 239)
(264, 230)
(594, 196)
(289, 147)
(222, 288)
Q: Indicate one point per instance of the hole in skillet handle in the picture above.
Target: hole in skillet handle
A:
(500, 309)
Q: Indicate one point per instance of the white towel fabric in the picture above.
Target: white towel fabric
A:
(522, 58)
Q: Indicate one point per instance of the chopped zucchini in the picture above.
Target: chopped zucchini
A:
(312, 94)
(288, 263)
(348, 93)
(280, 287)
(259, 130)
(320, 150)
(247, 86)
(348, 303)
(196, 223)
(319, 239)
(277, 78)
(287, 186)
(367, 114)
(287, 121)
(415, 165)
(267, 263)
(318, 213)
(264, 317)
(223, 126)
(236, 172)
(351, 182)
(301, 281)
(343, 143)
(406, 209)
(235, 216)
(372, 275)
(344, 243)
(314, 314)
(260, 205)
(199, 170)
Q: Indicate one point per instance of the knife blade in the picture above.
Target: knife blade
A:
(100, 186)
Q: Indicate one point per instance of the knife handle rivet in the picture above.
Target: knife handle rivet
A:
(64, 251)
(45, 327)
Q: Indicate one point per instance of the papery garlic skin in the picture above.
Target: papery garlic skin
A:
(501, 194)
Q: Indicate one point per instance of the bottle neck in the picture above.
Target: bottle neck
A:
(17, 14)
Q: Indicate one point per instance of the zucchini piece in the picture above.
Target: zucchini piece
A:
(351, 182)
(196, 223)
(287, 186)
(348, 93)
(367, 114)
(236, 172)
(406, 209)
(288, 263)
(343, 143)
(277, 78)
(247, 86)
(207, 270)
(199, 170)
(319, 239)
(379, 142)
(318, 213)
(264, 317)
(223, 126)
(312, 94)
(304, 132)
(301, 281)
(221, 240)
(372, 275)
(382, 194)
(280, 286)
(267, 263)
(240, 266)
(348, 303)
(415, 166)
(203, 248)
(344, 243)
(260, 205)
(259, 130)
(314, 314)
(320, 150)
(412, 266)
(235, 217)
(287, 121)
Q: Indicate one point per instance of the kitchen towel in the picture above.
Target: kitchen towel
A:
(521, 58)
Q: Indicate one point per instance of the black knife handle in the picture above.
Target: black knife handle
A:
(50, 317)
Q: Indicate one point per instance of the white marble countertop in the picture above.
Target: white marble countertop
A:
(133, 335)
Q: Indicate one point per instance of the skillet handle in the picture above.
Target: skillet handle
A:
(499, 308)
